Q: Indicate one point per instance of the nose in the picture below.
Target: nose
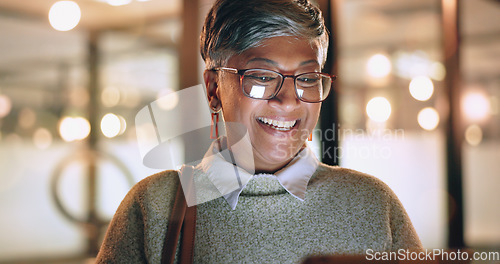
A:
(286, 100)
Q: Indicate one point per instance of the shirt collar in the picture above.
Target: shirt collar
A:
(230, 180)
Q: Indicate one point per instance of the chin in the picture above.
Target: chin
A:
(279, 154)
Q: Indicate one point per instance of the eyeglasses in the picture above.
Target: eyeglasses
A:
(310, 87)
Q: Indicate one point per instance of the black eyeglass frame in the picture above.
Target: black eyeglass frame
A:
(283, 77)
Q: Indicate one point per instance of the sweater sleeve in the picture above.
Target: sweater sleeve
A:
(404, 235)
(124, 240)
(137, 231)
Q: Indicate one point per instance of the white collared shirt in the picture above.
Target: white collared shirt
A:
(230, 180)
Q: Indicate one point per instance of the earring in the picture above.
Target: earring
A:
(215, 119)
(310, 138)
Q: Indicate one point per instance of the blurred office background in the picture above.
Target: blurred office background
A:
(69, 96)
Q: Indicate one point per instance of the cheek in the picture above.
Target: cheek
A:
(235, 106)
(314, 111)
(241, 109)
(226, 94)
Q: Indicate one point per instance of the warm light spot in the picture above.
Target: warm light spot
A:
(378, 109)
(378, 66)
(473, 135)
(42, 138)
(112, 125)
(123, 125)
(428, 118)
(110, 96)
(421, 88)
(167, 99)
(437, 71)
(27, 118)
(119, 2)
(5, 105)
(64, 15)
(74, 128)
(476, 106)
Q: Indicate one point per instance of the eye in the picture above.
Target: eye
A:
(261, 78)
(307, 79)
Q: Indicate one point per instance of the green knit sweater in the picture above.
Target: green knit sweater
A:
(344, 211)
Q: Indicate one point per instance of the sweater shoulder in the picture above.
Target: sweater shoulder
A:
(138, 226)
(350, 180)
(157, 182)
(155, 193)
(365, 193)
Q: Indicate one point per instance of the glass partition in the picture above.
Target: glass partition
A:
(392, 104)
(68, 153)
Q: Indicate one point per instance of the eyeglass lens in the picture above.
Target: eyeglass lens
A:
(264, 84)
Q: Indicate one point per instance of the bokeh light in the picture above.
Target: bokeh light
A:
(112, 125)
(421, 88)
(378, 66)
(378, 109)
(123, 125)
(473, 135)
(118, 2)
(476, 106)
(428, 118)
(27, 118)
(5, 105)
(437, 71)
(74, 128)
(64, 15)
(42, 138)
(167, 99)
(110, 96)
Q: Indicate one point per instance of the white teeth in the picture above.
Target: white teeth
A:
(279, 125)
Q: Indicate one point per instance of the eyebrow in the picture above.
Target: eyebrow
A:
(276, 64)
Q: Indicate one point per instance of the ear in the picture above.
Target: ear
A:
(211, 84)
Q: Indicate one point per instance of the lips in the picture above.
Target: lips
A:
(278, 124)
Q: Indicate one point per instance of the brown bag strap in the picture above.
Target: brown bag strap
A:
(188, 235)
(174, 227)
(181, 217)
(189, 225)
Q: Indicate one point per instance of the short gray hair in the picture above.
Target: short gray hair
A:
(234, 26)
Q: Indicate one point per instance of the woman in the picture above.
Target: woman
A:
(263, 60)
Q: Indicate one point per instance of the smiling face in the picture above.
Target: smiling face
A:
(277, 127)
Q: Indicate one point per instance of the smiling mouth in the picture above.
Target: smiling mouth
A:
(278, 125)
